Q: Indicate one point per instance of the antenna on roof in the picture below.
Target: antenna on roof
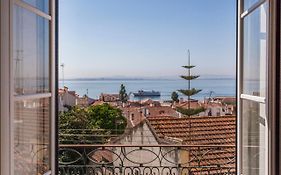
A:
(19, 59)
(189, 76)
(210, 96)
(62, 73)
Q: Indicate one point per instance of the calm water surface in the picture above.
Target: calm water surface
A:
(220, 87)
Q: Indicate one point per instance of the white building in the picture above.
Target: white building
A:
(66, 98)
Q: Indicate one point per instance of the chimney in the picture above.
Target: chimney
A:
(181, 100)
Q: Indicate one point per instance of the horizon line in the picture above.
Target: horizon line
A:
(146, 78)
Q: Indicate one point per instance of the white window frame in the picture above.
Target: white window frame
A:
(7, 81)
(5, 88)
(270, 99)
(240, 96)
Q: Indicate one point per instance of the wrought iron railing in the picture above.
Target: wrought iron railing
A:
(146, 159)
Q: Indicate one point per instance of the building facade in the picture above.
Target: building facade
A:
(67, 98)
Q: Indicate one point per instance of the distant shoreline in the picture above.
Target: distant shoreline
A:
(220, 86)
(143, 79)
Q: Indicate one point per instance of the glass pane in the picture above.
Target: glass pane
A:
(42, 5)
(31, 137)
(255, 52)
(254, 132)
(249, 3)
(30, 52)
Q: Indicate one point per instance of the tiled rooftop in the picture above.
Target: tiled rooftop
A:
(201, 131)
(196, 130)
(193, 104)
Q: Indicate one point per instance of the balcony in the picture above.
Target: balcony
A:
(156, 146)
(89, 159)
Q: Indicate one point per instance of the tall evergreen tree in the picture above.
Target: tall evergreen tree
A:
(123, 94)
(189, 92)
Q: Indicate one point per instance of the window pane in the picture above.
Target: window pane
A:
(254, 132)
(31, 52)
(31, 137)
(255, 52)
(249, 3)
(42, 5)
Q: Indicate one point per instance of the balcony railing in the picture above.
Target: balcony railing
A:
(146, 159)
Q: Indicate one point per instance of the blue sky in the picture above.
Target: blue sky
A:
(146, 38)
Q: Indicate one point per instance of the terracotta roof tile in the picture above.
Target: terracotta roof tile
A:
(220, 131)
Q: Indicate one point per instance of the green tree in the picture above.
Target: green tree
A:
(93, 124)
(189, 92)
(106, 117)
(123, 94)
(90, 125)
(175, 96)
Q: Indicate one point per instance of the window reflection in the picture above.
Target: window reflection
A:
(42, 5)
(254, 132)
(31, 137)
(249, 3)
(31, 52)
(255, 52)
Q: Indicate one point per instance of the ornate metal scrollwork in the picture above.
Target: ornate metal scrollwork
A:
(147, 160)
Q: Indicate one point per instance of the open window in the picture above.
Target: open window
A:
(256, 86)
(28, 87)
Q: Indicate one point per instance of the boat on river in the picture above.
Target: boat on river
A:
(143, 93)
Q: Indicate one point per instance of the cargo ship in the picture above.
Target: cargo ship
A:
(142, 93)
